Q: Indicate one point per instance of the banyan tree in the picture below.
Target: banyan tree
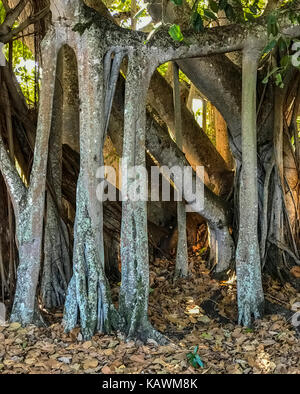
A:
(100, 81)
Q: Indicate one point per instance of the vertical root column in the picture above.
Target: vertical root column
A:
(181, 268)
(57, 264)
(88, 298)
(248, 265)
(29, 229)
(134, 290)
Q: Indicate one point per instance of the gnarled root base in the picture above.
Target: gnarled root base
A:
(88, 292)
(144, 331)
(250, 292)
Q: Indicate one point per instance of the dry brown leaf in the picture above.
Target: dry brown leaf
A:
(87, 344)
(90, 363)
(295, 271)
(137, 358)
(106, 370)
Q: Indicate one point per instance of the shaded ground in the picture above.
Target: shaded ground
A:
(197, 311)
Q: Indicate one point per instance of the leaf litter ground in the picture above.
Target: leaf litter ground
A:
(197, 311)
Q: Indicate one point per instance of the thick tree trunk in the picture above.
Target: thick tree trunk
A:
(248, 266)
(56, 263)
(134, 292)
(29, 216)
(89, 291)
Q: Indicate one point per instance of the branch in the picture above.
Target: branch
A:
(271, 6)
(29, 21)
(216, 40)
(11, 16)
(6, 6)
(220, 81)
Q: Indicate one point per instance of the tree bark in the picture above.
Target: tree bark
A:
(196, 145)
(165, 152)
(248, 267)
(88, 291)
(134, 292)
(29, 217)
(181, 267)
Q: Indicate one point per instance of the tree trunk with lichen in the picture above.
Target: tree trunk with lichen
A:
(248, 265)
(166, 152)
(181, 266)
(134, 292)
(56, 272)
(29, 212)
(88, 298)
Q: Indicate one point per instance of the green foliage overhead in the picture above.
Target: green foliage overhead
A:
(23, 61)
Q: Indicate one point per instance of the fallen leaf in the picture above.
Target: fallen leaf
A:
(106, 370)
(90, 363)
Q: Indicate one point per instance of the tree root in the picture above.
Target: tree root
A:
(145, 332)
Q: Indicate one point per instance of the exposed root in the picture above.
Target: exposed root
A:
(146, 332)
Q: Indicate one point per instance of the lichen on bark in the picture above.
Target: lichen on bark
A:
(248, 265)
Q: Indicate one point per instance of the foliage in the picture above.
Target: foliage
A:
(175, 33)
(204, 14)
(194, 358)
(163, 68)
(23, 63)
(279, 47)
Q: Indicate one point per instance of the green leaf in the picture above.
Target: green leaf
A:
(206, 335)
(175, 33)
(177, 2)
(199, 361)
(195, 364)
(214, 6)
(197, 22)
(271, 45)
(278, 80)
(210, 15)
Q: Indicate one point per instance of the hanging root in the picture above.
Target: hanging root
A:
(112, 67)
(57, 265)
